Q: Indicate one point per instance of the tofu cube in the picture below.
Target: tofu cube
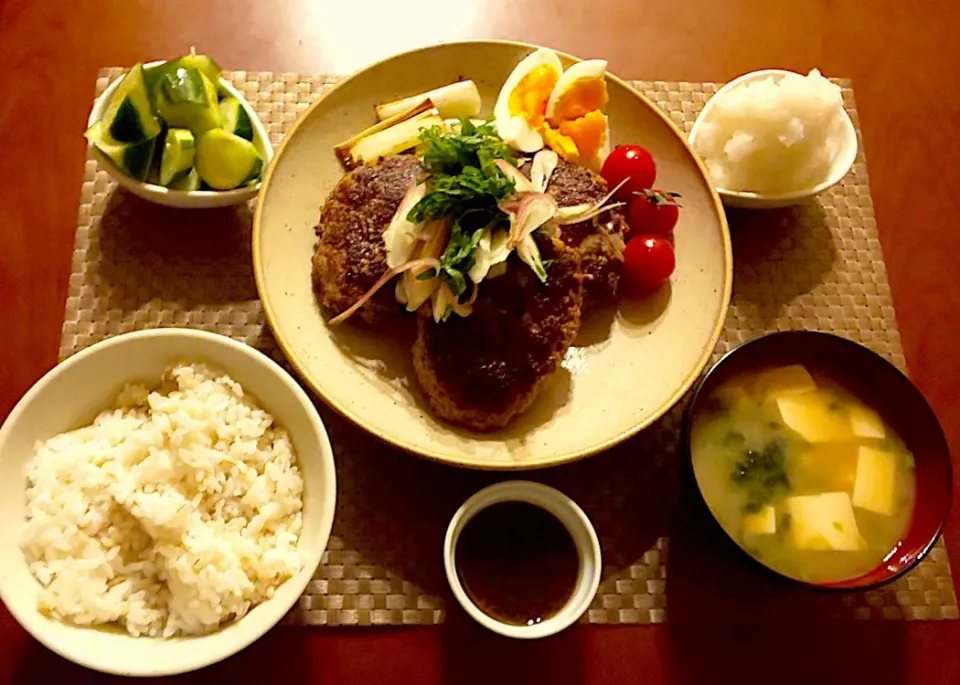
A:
(786, 380)
(823, 522)
(811, 415)
(875, 486)
(866, 423)
(764, 522)
(827, 466)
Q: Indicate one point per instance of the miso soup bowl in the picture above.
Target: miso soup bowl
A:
(879, 385)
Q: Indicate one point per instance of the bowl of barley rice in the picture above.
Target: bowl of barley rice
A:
(166, 497)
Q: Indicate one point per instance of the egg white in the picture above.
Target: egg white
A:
(591, 68)
(514, 129)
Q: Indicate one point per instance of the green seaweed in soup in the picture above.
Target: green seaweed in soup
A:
(802, 475)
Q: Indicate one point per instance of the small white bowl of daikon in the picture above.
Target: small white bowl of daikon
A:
(774, 138)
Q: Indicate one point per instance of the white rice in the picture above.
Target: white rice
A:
(177, 510)
(772, 136)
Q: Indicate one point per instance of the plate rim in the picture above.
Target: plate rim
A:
(464, 461)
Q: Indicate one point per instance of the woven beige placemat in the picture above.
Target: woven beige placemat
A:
(818, 266)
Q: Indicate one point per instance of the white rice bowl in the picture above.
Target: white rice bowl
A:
(71, 396)
(175, 511)
(773, 135)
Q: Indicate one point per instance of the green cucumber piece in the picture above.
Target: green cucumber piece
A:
(186, 180)
(134, 159)
(235, 118)
(178, 150)
(207, 65)
(225, 160)
(196, 116)
(129, 117)
(153, 176)
(255, 175)
(184, 85)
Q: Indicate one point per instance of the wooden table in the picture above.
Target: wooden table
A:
(903, 57)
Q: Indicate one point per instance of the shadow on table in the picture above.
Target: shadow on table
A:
(189, 256)
(398, 506)
(730, 621)
(281, 656)
(779, 254)
(472, 654)
(393, 508)
(628, 492)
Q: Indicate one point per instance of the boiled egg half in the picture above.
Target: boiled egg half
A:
(522, 104)
(541, 104)
(576, 125)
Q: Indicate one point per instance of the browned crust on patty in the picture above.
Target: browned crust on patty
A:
(483, 370)
(350, 256)
(599, 241)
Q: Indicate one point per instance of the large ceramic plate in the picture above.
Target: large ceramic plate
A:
(628, 366)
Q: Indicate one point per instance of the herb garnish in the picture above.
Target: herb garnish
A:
(466, 187)
(763, 475)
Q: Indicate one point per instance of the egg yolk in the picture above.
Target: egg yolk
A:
(561, 144)
(578, 140)
(587, 132)
(529, 98)
(577, 128)
(585, 95)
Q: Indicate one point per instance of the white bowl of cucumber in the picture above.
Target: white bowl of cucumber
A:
(176, 133)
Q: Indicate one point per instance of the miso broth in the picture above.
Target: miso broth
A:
(802, 475)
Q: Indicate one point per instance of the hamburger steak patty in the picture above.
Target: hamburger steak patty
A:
(350, 256)
(482, 370)
(599, 241)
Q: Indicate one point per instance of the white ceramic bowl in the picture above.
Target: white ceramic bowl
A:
(748, 200)
(577, 524)
(185, 199)
(70, 396)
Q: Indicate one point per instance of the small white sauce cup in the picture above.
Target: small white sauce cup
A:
(573, 519)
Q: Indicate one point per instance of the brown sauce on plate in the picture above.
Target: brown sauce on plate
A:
(517, 562)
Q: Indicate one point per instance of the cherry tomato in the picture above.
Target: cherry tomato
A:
(648, 261)
(629, 162)
(654, 211)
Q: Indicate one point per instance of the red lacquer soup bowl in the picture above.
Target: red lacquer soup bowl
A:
(879, 385)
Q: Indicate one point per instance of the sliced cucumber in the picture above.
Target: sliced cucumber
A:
(235, 118)
(134, 159)
(257, 174)
(184, 85)
(225, 160)
(199, 117)
(206, 65)
(153, 176)
(188, 180)
(178, 149)
(129, 117)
